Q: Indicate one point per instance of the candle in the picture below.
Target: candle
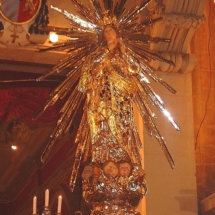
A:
(59, 204)
(35, 205)
(47, 198)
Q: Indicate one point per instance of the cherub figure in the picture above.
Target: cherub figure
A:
(110, 169)
(124, 168)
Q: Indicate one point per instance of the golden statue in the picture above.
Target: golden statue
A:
(109, 67)
(107, 80)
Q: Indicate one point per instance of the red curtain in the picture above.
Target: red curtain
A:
(23, 102)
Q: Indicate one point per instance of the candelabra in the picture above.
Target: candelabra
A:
(46, 211)
(46, 208)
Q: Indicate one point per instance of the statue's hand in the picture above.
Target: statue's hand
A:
(117, 42)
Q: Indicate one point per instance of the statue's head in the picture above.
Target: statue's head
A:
(109, 34)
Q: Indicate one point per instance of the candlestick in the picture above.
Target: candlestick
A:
(47, 198)
(46, 211)
(59, 204)
(35, 205)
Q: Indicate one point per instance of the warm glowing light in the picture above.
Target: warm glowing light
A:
(59, 204)
(14, 147)
(53, 37)
(34, 205)
(47, 198)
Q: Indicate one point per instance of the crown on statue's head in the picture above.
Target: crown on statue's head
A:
(108, 20)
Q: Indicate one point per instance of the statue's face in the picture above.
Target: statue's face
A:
(87, 172)
(124, 169)
(109, 34)
(111, 169)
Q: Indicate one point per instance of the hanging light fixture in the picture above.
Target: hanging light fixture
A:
(53, 37)
(14, 147)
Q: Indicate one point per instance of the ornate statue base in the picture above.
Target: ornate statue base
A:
(113, 188)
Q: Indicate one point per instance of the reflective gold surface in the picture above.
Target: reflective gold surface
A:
(108, 70)
(109, 191)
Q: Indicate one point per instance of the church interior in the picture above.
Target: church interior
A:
(188, 189)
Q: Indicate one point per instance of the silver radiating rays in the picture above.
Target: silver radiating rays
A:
(87, 34)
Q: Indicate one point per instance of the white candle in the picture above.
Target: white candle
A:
(59, 204)
(47, 198)
(35, 205)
